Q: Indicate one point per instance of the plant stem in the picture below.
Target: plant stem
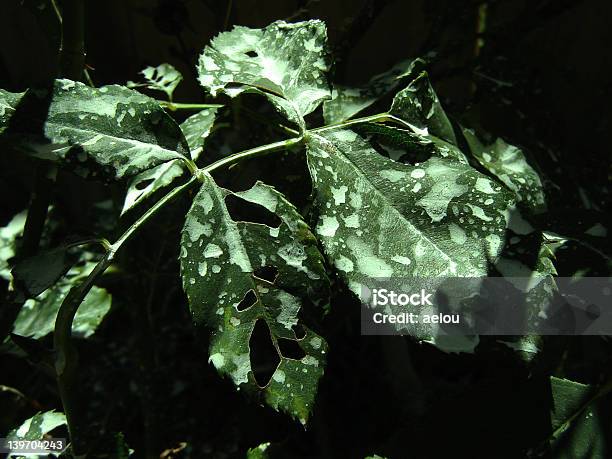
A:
(378, 118)
(66, 362)
(283, 144)
(37, 213)
(173, 106)
(72, 50)
(253, 152)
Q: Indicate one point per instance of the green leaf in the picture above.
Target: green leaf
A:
(196, 129)
(221, 259)
(508, 164)
(285, 62)
(419, 105)
(347, 102)
(38, 425)
(37, 273)
(379, 218)
(576, 421)
(8, 242)
(404, 145)
(110, 130)
(259, 452)
(8, 102)
(36, 318)
(147, 183)
(164, 78)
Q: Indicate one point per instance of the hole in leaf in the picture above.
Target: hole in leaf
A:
(142, 185)
(267, 273)
(252, 53)
(299, 331)
(264, 358)
(245, 211)
(291, 349)
(249, 300)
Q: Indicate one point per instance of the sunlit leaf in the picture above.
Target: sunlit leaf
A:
(38, 425)
(223, 260)
(509, 165)
(164, 78)
(286, 62)
(419, 105)
(379, 218)
(112, 130)
(145, 184)
(196, 129)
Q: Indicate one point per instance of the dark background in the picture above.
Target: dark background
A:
(534, 72)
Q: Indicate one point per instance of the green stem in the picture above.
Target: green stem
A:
(66, 362)
(378, 118)
(284, 144)
(72, 50)
(37, 213)
(173, 106)
(253, 152)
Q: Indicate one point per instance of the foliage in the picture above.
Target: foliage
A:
(407, 193)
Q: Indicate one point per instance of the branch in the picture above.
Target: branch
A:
(66, 362)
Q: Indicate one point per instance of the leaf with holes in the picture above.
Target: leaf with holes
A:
(237, 272)
(509, 165)
(285, 62)
(418, 104)
(346, 102)
(380, 219)
(164, 78)
(147, 183)
(196, 129)
(110, 130)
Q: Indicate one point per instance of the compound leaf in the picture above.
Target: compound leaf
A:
(222, 265)
(286, 62)
(111, 130)
(508, 164)
(346, 102)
